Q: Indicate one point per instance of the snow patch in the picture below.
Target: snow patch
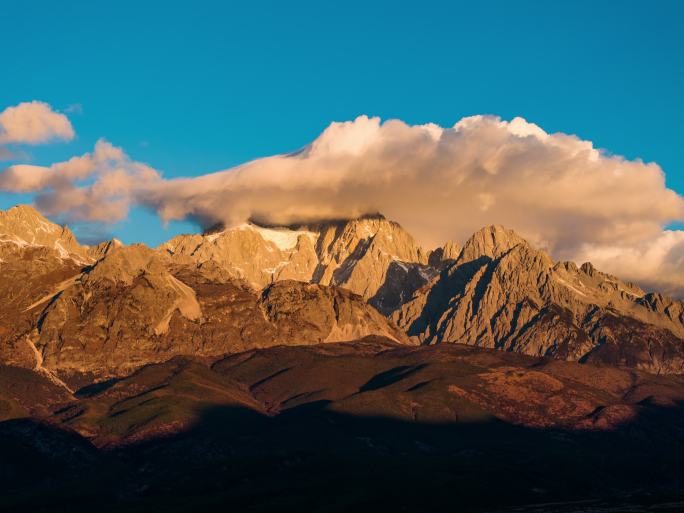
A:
(63, 253)
(569, 286)
(19, 242)
(46, 227)
(401, 264)
(427, 276)
(284, 238)
(213, 236)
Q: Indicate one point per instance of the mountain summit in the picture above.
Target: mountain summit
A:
(112, 308)
(23, 225)
(370, 256)
(503, 293)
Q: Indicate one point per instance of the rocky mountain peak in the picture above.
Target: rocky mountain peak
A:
(103, 248)
(588, 269)
(490, 241)
(23, 225)
(503, 293)
(341, 238)
(444, 255)
(23, 211)
(497, 291)
(355, 254)
(27, 224)
(123, 263)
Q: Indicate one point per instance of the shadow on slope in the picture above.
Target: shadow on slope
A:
(452, 282)
(313, 459)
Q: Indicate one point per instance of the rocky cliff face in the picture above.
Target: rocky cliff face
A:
(134, 305)
(111, 327)
(503, 293)
(31, 276)
(370, 256)
(24, 226)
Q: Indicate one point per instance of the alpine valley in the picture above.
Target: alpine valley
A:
(334, 366)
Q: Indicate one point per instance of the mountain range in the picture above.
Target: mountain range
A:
(248, 361)
(106, 310)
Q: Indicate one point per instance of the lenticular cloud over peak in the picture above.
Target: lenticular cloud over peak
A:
(557, 190)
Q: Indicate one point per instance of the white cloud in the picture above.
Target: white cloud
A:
(97, 186)
(33, 123)
(440, 183)
(656, 263)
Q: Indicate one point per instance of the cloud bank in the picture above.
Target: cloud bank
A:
(440, 183)
(98, 186)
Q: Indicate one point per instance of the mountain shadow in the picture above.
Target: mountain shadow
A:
(315, 459)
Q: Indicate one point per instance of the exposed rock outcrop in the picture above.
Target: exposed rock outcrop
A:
(109, 308)
(23, 225)
(133, 307)
(357, 255)
(503, 293)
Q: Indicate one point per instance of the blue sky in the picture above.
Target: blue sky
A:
(193, 87)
